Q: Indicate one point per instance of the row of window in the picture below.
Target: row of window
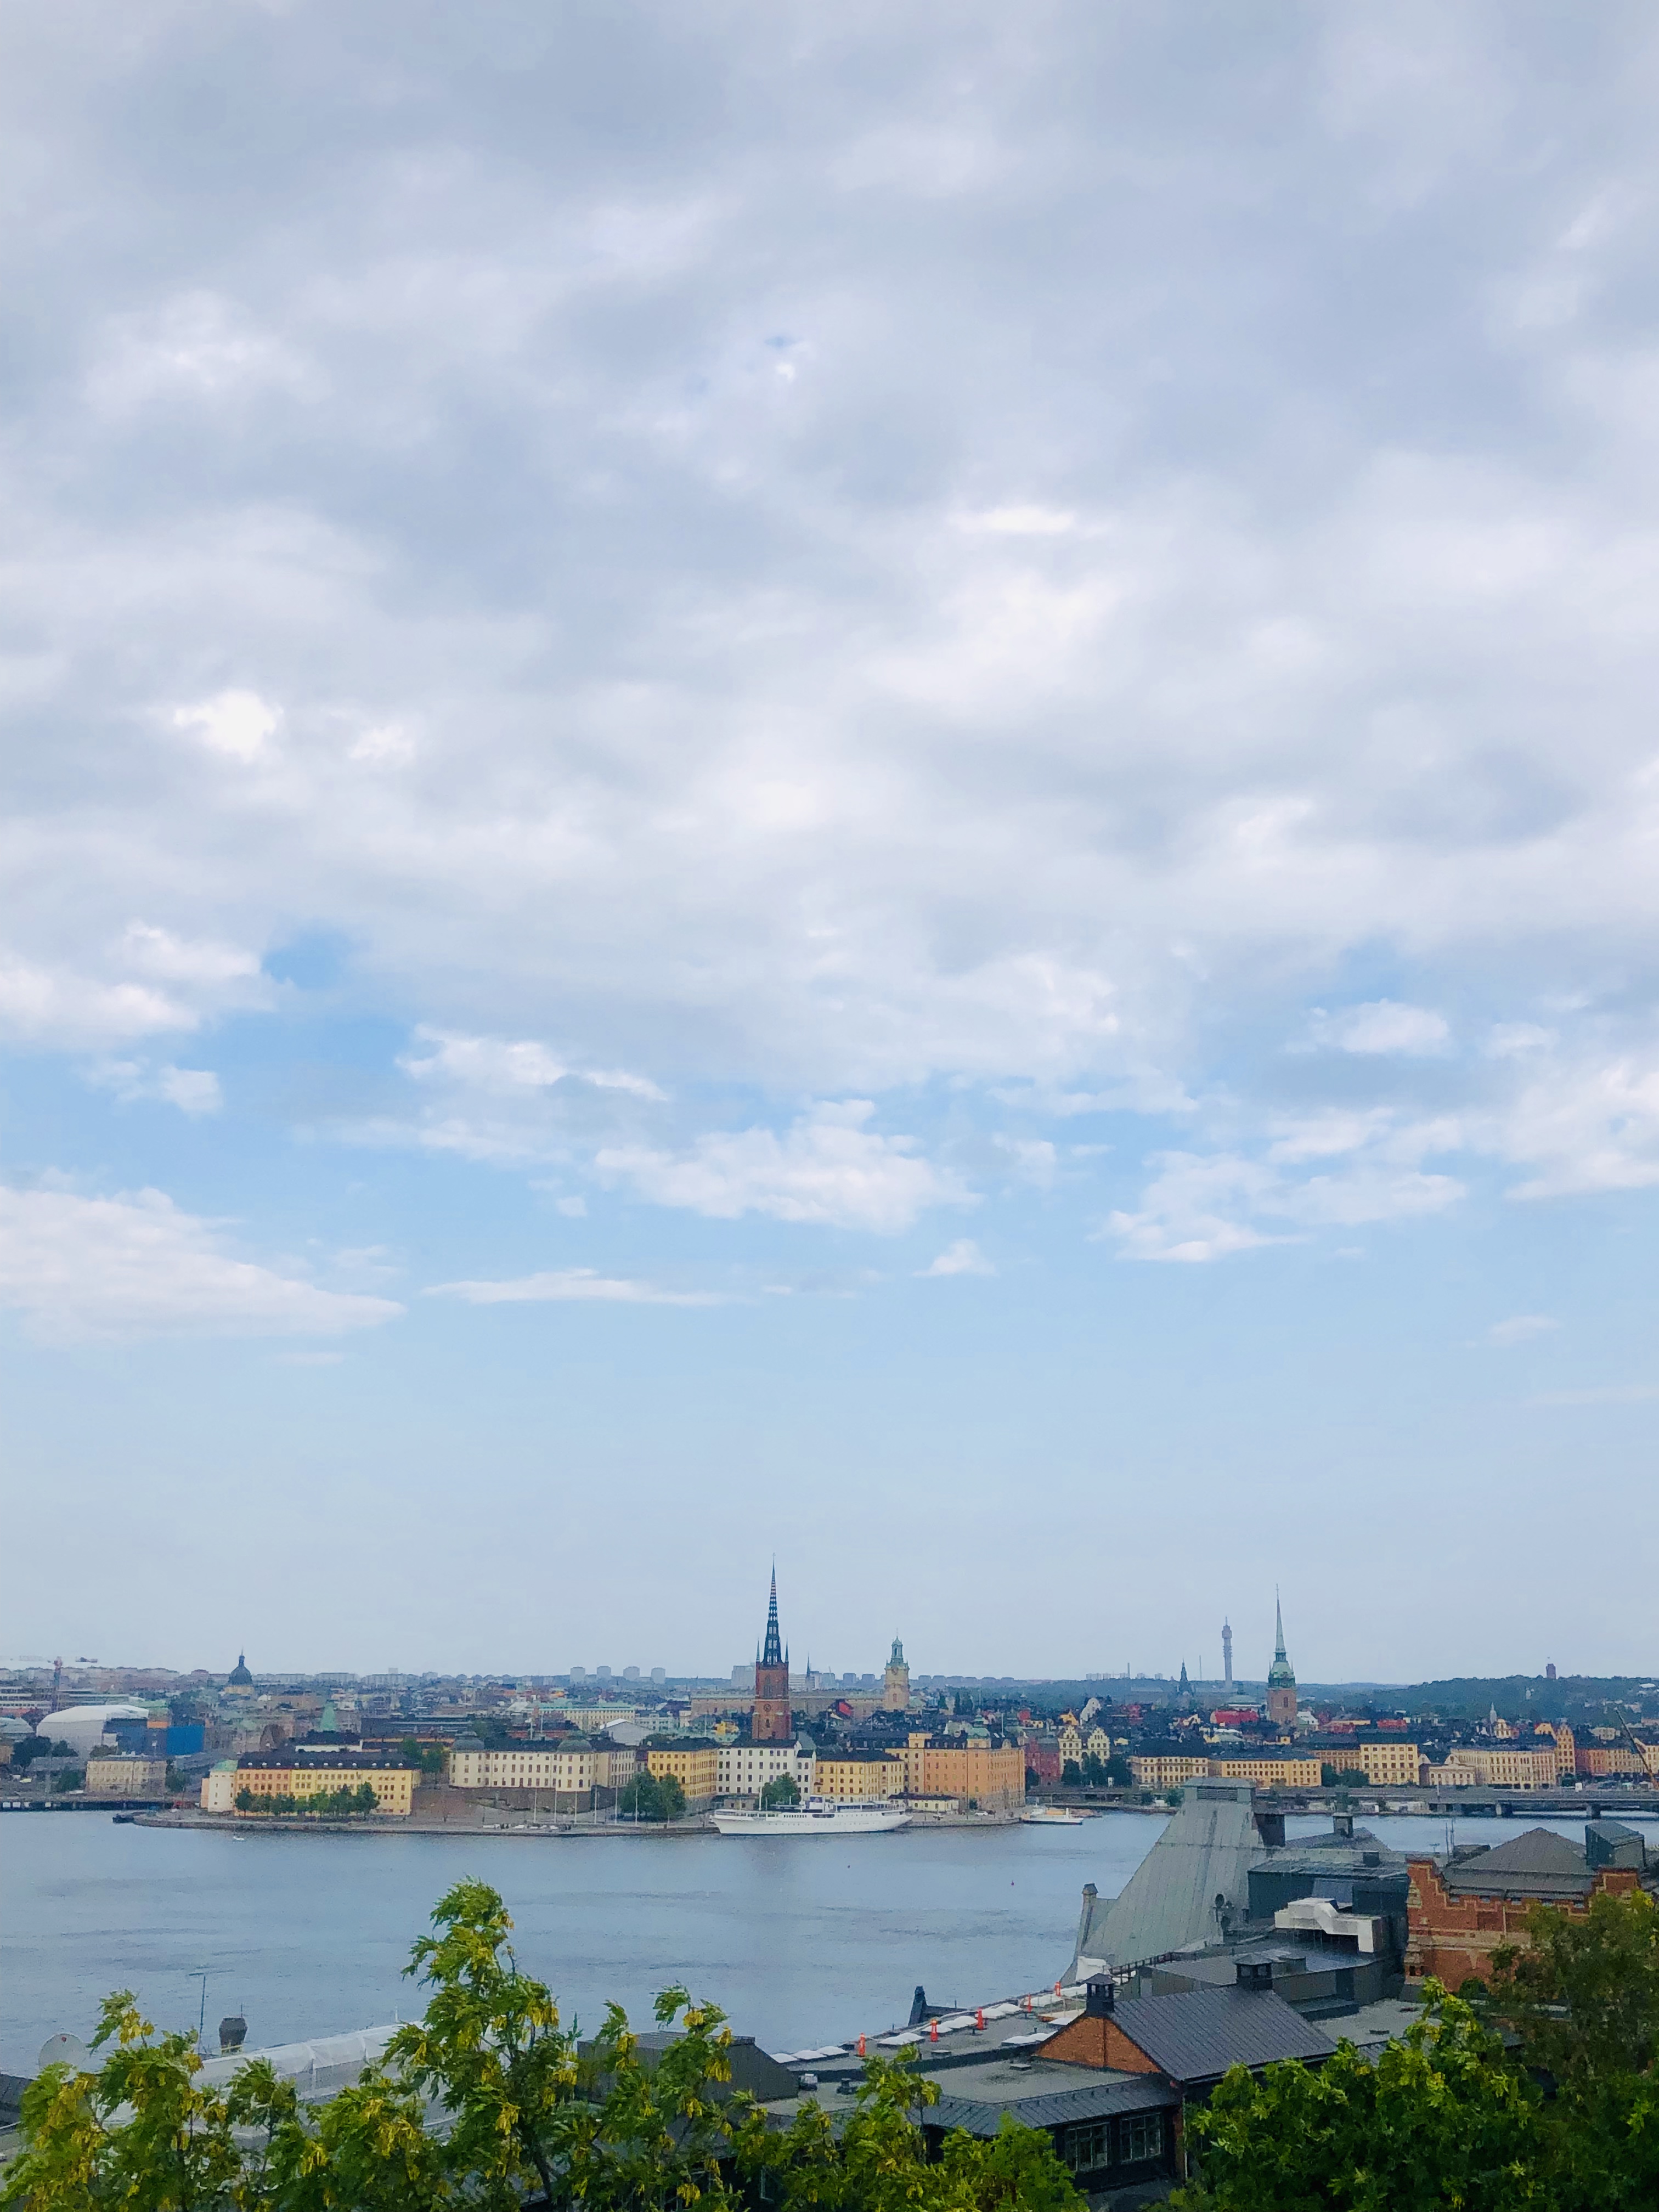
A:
(1131, 2141)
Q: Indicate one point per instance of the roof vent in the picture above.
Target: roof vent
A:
(1256, 1974)
(1099, 1997)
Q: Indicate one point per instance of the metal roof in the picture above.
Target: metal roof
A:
(1205, 1852)
(1197, 2034)
(1539, 1863)
(1053, 2108)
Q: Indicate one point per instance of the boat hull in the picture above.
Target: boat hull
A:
(812, 1820)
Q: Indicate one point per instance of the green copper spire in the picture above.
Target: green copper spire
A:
(1279, 1675)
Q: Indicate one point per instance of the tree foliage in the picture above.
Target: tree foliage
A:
(782, 1792)
(1439, 2119)
(651, 1798)
(490, 2103)
(339, 1804)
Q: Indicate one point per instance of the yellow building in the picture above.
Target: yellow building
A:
(695, 1765)
(571, 1767)
(990, 1775)
(857, 1777)
(269, 1775)
(125, 1774)
(1385, 1765)
(1510, 1768)
(1162, 1771)
(1274, 1773)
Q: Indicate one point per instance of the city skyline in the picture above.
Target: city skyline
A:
(865, 785)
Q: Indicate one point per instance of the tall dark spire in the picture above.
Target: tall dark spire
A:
(772, 1655)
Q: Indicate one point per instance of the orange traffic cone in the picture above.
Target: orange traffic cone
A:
(979, 2018)
(932, 2030)
(860, 2046)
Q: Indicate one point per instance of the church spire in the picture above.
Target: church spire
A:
(772, 1655)
(1279, 1626)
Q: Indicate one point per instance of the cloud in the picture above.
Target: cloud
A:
(962, 1258)
(828, 1170)
(1583, 1125)
(506, 1068)
(566, 1285)
(1206, 1207)
(136, 1266)
(1382, 1026)
(1520, 1329)
(193, 1090)
(238, 724)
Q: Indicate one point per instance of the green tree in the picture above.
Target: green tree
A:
(1071, 1775)
(1440, 2119)
(780, 1792)
(490, 2047)
(69, 1779)
(171, 2147)
(651, 1798)
(1582, 1998)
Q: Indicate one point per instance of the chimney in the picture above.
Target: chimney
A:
(1342, 1825)
(1099, 1997)
(1256, 1974)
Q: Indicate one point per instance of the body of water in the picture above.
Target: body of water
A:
(801, 1942)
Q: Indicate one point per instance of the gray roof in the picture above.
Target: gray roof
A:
(1052, 2108)
(1197, 2034)
(1207, 1850)
(1539, 1863)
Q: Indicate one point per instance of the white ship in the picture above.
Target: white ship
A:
(819, 1816)
(1051, 1816)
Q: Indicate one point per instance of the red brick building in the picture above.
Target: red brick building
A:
(771, 1721)
(1460, 1909)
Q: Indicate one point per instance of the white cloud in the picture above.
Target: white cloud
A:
(565, 1284)
(1583, 1124)
(238, 724)
(1206, 1207)
(1382, 1026)
(1034, 1158)
(1520, 1329)
(827, 1169)
(193, 1090)
(41, 1006)
(137, 1266)
(504, 1066)
(962, 1258)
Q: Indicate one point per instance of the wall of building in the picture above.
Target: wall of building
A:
(1454, 1937)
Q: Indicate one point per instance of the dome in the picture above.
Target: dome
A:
(240, 1677)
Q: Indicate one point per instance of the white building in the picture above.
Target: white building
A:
(219, 1788)
(571, 1768)
(746, 1768)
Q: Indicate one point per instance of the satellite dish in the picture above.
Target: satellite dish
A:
(66, 2051)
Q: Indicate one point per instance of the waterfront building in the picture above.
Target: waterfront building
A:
(566, 1767)
(125, 1774)
(219, 1788)
(1386, 1763)
(1491, 1767)
(1461, 1906)
(693, 1762)
(771, 1721)
(858, 1777)
(278, 1774)
(745, 1769)
(1282, 1681)
(988, 1775)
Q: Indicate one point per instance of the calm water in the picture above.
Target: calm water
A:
(800, 1942)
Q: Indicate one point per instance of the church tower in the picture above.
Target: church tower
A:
(771, 1718)
(1281, 1682)
(896, 1682)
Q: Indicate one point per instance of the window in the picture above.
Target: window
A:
(1085, 2147)
(1140, 2136)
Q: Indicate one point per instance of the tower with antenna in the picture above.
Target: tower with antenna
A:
(770, 1720)
(1226, 1656)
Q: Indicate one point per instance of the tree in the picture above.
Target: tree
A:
(1117, 1770)
(1071, 1775)
(1093, 1770)
(651, 1798)
(780, 1792)
(1439, 2120)
(170, 2150)
(1584, 1999)
(69, 1779)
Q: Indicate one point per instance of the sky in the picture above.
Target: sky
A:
(877, 786)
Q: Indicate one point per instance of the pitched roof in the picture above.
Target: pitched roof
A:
(1169, 1902)
(1052, 2108)
(1539, 1863)
(1195, 2035)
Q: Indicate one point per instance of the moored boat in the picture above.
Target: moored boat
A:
(819, 1816)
